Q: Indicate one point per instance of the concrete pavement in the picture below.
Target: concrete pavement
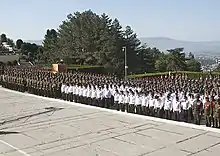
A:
(35, 126)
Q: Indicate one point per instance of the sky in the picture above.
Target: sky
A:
(189, 20)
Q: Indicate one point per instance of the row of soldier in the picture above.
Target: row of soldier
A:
(170, 97)
(177, 106)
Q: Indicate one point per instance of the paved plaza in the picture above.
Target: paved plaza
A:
(35, 126)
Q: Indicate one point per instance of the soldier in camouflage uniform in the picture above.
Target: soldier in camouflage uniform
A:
(217, 114)
(197, 110)
(208, 112)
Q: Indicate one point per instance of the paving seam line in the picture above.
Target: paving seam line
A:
(15, 148)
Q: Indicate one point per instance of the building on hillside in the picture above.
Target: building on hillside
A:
(5, 45)
(7, 53)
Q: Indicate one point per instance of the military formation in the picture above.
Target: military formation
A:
(172, 97)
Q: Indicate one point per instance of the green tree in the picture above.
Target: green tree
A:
(50, 48)
(133, 45)
(87, 38)
(40, 54)
(77, 36)
(161, 63)
(176, 59)
(10, 42)
(19, 42)
(193, 65)
(112, 53)
(146, 60)
(3, 38)
(29, 51)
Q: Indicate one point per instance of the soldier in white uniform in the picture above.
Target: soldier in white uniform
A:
(77, 93)
(74, 92)
(132, 102)
(66, 89)
(148, 97)
(138, 103)
(112, 91)
(185, 106)
(157, 106)
(176, 108)
(107, 97)
(88, 94)
(63, 90)
(121, 88)
(151, 105)
(160, 103)
(191, 99)
(81, 94)
(70, 93)
(144, 103)
(121, 101)
(168, 108)
(84, 90)
(93, 96)
(100, 96)
(163, 99)
(126, 101)
(116, 100)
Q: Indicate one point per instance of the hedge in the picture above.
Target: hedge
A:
(80, 68)
(89, 69)
(74, 66)
(189, 74)
(71, 66)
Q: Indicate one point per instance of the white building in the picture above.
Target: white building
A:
(218, 61)
(5, 44)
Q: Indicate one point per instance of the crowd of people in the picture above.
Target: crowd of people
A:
(172, 97)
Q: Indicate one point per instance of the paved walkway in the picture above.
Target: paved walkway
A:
(33, 126)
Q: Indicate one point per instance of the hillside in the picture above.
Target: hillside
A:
(210, 48)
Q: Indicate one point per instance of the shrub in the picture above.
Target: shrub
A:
(88, 69)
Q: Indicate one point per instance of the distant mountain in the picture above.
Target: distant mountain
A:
(38, 42)
(199, 49)
(209, 48)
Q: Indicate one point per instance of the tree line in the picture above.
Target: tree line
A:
(87, 38)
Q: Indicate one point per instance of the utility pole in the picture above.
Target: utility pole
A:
(125, 59)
